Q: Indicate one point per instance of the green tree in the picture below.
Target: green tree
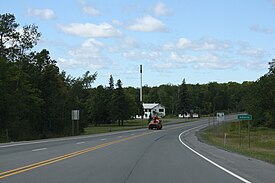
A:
(271, 67)
(168, 95)
(79, 97)
(183, 100)
(14, 44)
(7, 33)
(109, 106)
(120, 104)
(261, 100)
(97, 106)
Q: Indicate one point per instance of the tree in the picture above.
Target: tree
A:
(168, 95)
(13, 44)
(120, 104)
(261, 99)
(109, 106)
(7, 32)
(80, 95)
(183, 100)
(97, 106)
(271, 67)
(28, 38)
(111, 83)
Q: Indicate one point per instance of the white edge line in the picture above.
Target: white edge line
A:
(80, 143)
(41, 149)
(210, 161)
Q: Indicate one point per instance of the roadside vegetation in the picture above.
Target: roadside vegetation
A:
(36, 98)
(262, 140)
(104, 128)
(128, 125)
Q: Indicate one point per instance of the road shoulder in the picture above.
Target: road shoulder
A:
(252, 169)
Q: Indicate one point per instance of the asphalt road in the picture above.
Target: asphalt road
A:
(173, 154)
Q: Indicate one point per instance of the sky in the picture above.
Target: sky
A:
(200, 40)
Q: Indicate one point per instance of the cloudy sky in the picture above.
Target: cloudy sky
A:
(199, 40)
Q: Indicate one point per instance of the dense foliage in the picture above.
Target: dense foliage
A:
(36, 98)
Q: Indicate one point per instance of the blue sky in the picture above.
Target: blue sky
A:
(201, 41)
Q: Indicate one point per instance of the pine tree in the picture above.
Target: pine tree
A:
(183, 99)
(119, 104)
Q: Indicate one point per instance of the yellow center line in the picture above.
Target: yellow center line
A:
(63, 157)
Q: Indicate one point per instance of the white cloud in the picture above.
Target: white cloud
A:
(258, 52)
(91, 11)
(91, 30)
(87, 9)
(46, 14)
(129, 43)
(142, 55)
(117, 22)
(257, 28)
(255, 65)
(124, 44)
(214, 66)
(183, 43)
(87, 56)
(166, 65)
(206, 61)
(148, 24)
(161, 9)
(180, 58)
(197, 45)
(90, 48)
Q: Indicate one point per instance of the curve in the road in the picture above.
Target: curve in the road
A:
(207, 159)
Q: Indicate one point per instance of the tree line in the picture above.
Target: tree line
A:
(36, 98)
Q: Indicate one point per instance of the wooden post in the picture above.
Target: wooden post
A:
(239, 133)
(7, 135)
(249, 134)
(77, 127)
(72, 127)
(224, 140)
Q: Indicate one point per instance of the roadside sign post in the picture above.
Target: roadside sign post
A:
(220, 120)
(220, 117)
(249, 134)
(224, 140)
(240, 137)
(75, 117)
(244, 117)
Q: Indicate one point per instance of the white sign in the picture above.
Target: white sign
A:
(75, 114)
(220, 116)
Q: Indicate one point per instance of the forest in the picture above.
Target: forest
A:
(36, 98)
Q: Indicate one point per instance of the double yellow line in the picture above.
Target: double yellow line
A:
(63, 157)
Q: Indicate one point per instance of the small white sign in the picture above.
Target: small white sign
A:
(75, 114)
(220, 116)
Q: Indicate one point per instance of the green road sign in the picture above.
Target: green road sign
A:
(244, 117)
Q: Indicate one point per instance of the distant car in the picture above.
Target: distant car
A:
(156, 123)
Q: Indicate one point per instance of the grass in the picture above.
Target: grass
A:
(262, 140)
(104, 128)
(128, 125)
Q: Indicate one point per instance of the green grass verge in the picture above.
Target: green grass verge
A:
(128, 125)
(104, 128)
(262, 140)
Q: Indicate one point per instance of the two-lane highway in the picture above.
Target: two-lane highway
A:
(170, 155)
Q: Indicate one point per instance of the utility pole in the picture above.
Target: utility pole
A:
(141, 83)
